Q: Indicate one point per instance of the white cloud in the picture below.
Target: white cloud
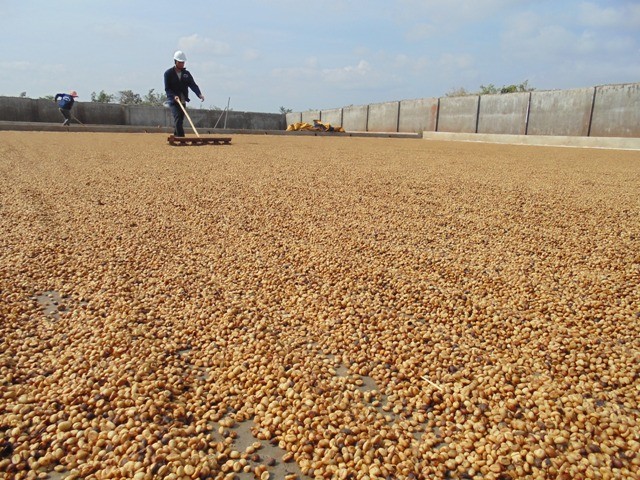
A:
(295, 74)
(311, 62)
(436, 15)
(403, 62)
(624, 16)
(35, 68)
(350, 73)
(251, 54)
(535, 38)
(449, 61)
(590, 47)
(219, 71)
(17, 65)
(114, 30)
(531, 38)
(421, 31)
(219, 80)
(523, 24)
(359, 74)
(203, 45)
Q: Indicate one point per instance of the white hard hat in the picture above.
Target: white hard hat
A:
(179, 56)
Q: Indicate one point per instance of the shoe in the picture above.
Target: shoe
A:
(65, 123)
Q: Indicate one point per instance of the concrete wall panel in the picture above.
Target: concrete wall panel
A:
(334, 117)
(458, 114)
(310, 115)
(47, 111)
(225, 119)
(100, 113)
(560, 112)
(200, 118)
(294, 117)
(17, 109)
(383, 117)
(219, 119)
(148, 116)
(354, 118)
(418, 115)
(616, 111)
(212, 117)
(504, 114)
(222, 119)
(263, 121)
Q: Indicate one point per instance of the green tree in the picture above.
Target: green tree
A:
(285, 110)
(488, 89)
(101, 97)
(47, 97)
(128, 97)
(522, 87)
(491, 89)
(152, 98)
(458, 92)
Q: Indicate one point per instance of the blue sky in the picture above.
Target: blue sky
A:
(316, 55)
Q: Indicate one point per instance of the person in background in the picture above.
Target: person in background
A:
(65, 104)
(177, 82)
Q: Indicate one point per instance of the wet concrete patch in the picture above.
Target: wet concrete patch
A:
(51, 303)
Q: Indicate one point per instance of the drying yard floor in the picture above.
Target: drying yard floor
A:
(317, 307)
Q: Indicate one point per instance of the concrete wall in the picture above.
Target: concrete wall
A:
(293, 117)
(419, 115)
(560, 112)
(605, 111)
(144, 115)
(505, 113)
(25, 109)
(252, 121)
(310, 115)
(100, 113)
(41, 110)
(333, 116)
(14, 109)
(616, 111)
(238, 120)
(354, 118)
(200, 118)
(458, 114)
(383, 117)
(235, 120)
(44, 109)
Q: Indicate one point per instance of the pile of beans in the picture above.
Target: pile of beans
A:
(154, 298)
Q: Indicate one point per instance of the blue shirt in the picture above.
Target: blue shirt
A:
(65, 101)
(179, 87)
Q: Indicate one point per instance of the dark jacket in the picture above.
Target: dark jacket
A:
(65, 101)
(179, 87)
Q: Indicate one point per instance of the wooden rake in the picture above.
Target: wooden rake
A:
(173, 140)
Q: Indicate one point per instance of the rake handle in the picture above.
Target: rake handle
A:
(187, 115)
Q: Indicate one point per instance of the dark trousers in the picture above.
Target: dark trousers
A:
(178, 120)
(66, 113)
